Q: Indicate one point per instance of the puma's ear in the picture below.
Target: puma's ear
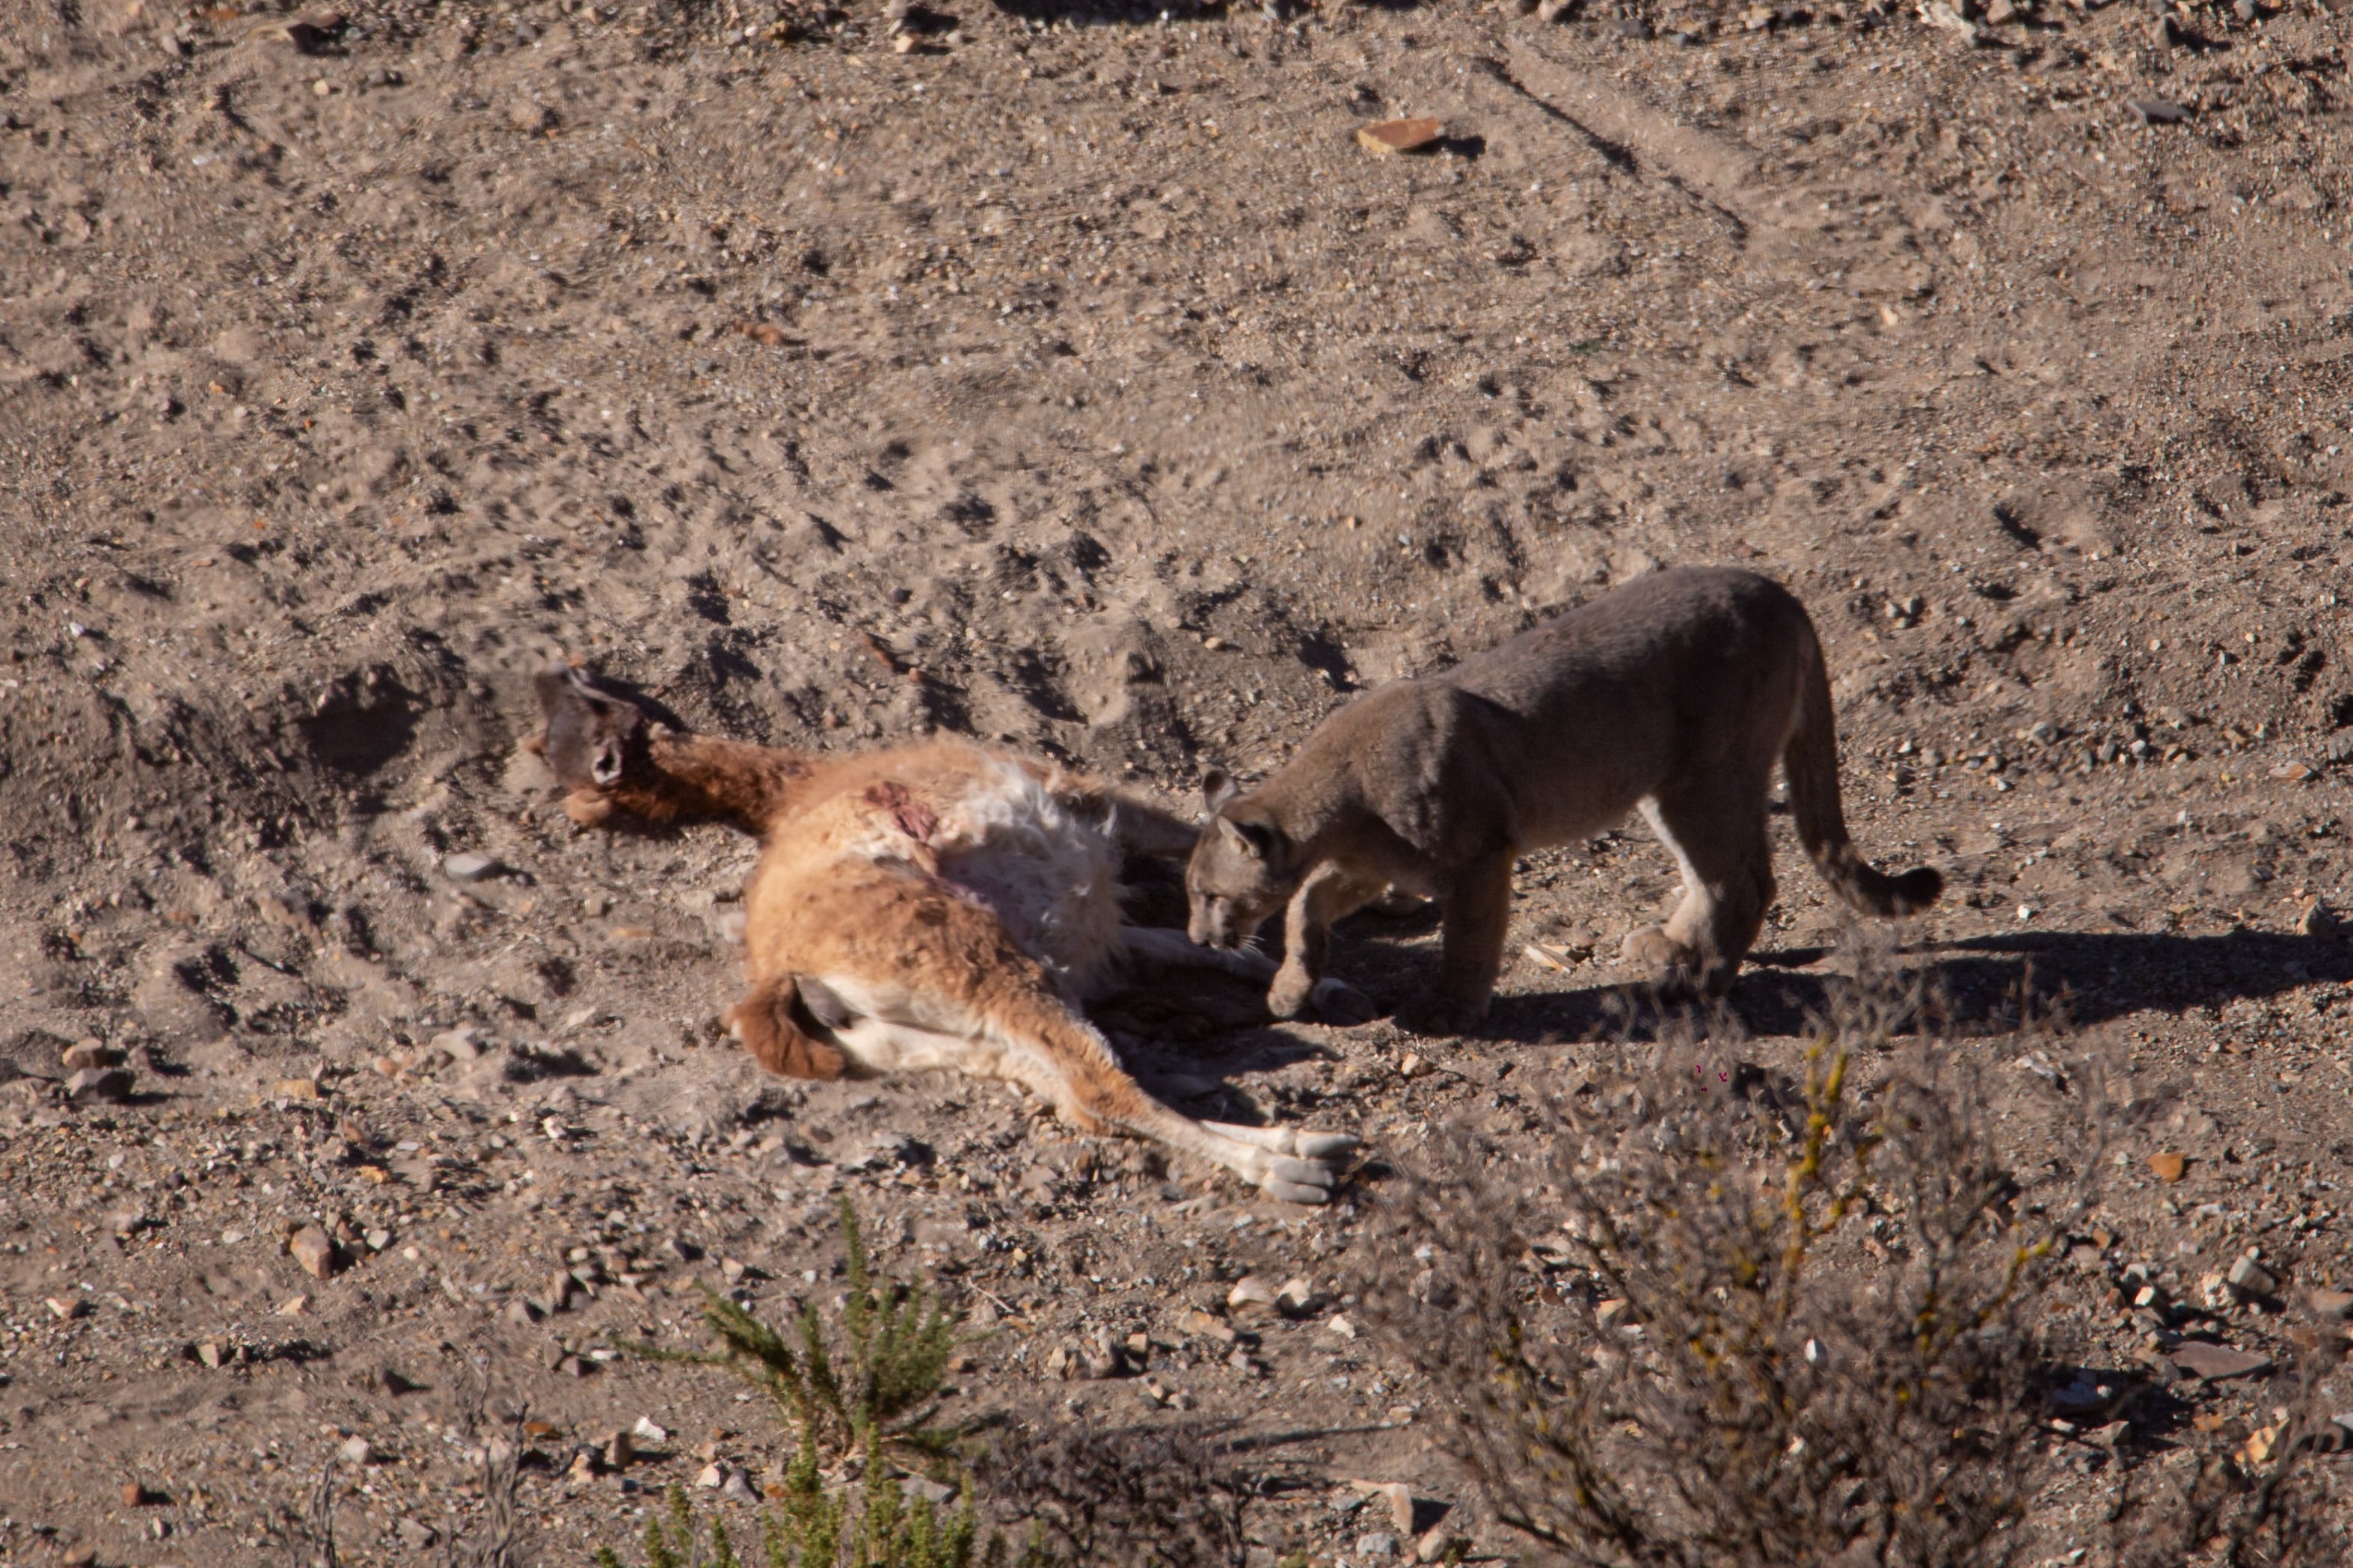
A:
(1217, 786)
(1260, 840)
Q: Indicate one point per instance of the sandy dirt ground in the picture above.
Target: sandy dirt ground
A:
(1074, 381)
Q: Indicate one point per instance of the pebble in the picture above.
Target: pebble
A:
(2158, 111)
(619, 1452)
(68, 1308)
(299, 1089)
(712, 1476)
(90, 1052)
(2169, 1167)
(1393, 136)
(315, 1249)
(737, 1488)
(2248, 1276)
(1341, 1326)
(1297, 1298)
(357, 1451)
(2215, 1364)
(468, 867)
(294, 1306)
(1380, 1544)
(458, 1042)
(1250, 1293)
(647, 1430)
(112, 1084)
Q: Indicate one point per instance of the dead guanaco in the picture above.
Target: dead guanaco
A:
(928, 906)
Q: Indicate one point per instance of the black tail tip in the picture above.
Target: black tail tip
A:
(1918, 888)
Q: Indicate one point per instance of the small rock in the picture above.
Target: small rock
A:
(112, 1084)
(522, 1313)
(1632, 27)
(649, 1431)
(468, 867)
(1341, 1326)
(294, 1306)
(932, 1492)
(2214, 1364)
(1393, 136)
(2158, 111)
(1436, 1542)
(2318, 921)
(1394, 1496)
(619, 1452)
(2249, 1277)
(68, 1308)
(211, 1355)
(1251, 1293)
(1196, 1323)
(458, 1042)
(357, 1451)
(378, 1239)
(731, 1269)
(1412, 1066)
(315, 1249)
(2168, 1167)
(712, 1476)
(1380, 1544)
(415, 1535)
(90, 1052)
(529, 119)
(2331, 1306)
(1609, 1312)
(298, 1088)
(737, 1488)
(1297, 1298)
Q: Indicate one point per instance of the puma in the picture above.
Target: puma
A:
(938, 906)
(1675, 694)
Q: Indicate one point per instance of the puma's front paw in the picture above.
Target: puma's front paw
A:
(1674, 971)
(1293, 989)
(1339, 1003)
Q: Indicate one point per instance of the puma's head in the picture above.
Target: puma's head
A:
(1239, 873)
(591, 736)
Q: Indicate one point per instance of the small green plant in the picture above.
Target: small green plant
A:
(818, 1527)
(865, 1392)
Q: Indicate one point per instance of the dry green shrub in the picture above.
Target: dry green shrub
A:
(1723, 1319)
(1140, 1497)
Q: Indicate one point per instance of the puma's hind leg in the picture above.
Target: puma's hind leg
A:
(1726, 860)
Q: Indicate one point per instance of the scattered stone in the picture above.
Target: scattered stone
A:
(110, 1084)
(1251, 1293)
(712, 1476)
(522, 1313)
(299, 1089)
(1341, 1326)
(211, 1355)
(294, 1306)
(2331, 1306)
(459, 1043)
(468, 867)
(2248, 1278)
(1609, 1312)
(137, 1496)
(357, 1451)
(1412, 1066)
(2169, 1167)
(2158, 111)
(315, 1249)
(647, 1430)
(2318, 921)
(68, 1308)
(619, 1452)
(738, 1489)
(1297, 1298)
(1437, 1542)
(1393, 136)
(90, 1052)
(934, 1492)
(1196, 1323)
(415, 1535)
(2215, 1364)
(1632, 27)
(1394, 1496)
(1380, 1544)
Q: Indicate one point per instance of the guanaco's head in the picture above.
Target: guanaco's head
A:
(1239, 873)
(591, 735)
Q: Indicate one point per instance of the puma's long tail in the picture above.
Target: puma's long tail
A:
(1810, 761)
(615, 760)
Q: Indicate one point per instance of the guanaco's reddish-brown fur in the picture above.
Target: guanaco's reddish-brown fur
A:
(928, 906)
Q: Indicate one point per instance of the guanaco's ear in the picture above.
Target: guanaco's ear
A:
(1217, 786)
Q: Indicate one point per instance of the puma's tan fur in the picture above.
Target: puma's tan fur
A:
(1675, 695)
(928, 906)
